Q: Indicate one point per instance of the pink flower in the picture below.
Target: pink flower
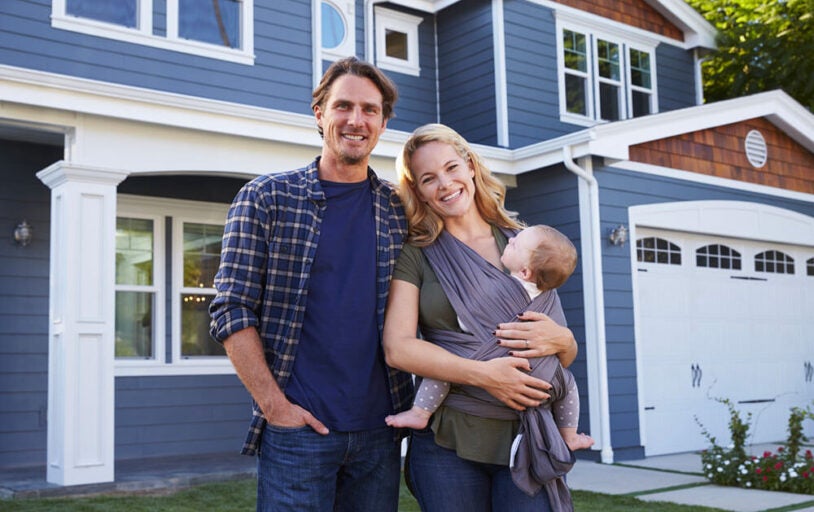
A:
(779, 449)
(767, 454)
(805, 474)
(765, 478)
(778, 465)
(758, 471)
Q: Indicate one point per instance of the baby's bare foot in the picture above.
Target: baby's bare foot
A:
(578, 441)
(415, 418)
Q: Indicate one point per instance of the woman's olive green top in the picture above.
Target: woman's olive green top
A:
(472, 437)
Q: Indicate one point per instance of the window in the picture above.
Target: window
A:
(194, 285)
(810, 267)
(220, 29)
(774, 262)
(718, 256)
(137, 292)
(144, 280)
(397, 41)
(337, 29)
(604, 77)
(657, 250)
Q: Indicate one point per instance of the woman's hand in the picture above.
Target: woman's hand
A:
(537, 335)
(507, 379)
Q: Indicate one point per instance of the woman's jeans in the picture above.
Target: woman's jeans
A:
(444, 482)
(300, 470)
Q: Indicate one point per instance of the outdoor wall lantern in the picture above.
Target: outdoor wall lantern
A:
(23, 233)
(618, 235)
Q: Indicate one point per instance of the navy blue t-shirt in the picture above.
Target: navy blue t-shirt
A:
(339, 373)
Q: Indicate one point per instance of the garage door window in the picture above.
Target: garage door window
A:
(718, 256)
(657, 250)
(810, 265)
(774, 262)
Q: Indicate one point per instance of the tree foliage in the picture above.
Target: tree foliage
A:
(762, 45)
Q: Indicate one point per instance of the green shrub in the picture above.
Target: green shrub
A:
(784, 470)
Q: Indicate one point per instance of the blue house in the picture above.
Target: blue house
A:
(127, 127)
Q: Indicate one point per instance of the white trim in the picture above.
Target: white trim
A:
(501, 94)
(695, 177)
(400, 22)
(143, 33)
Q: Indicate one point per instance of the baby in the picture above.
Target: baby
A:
(541, 258)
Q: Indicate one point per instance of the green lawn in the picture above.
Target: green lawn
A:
(239, 495)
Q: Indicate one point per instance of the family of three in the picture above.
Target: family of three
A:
(327, 276)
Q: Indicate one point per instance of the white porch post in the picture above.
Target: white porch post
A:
(81, 323)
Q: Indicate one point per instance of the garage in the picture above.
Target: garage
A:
(722, 316)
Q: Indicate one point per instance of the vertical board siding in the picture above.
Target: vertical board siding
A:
(280, 77)
(675, 75)
(532, 82)
(24, 308)
(466, 70)
(550, 196)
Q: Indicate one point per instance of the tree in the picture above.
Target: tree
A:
(762, 45)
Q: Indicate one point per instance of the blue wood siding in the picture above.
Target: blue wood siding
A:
(466, 70)
(550, 196)
(179, 415)
(532, 84)
(675, 73)
(280, 77)
(24, 308)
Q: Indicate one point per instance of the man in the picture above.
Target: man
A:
(305, 269)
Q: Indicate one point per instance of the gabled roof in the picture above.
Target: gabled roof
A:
(614, 140)
(697, 31)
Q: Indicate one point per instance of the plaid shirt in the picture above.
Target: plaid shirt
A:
(269, 243)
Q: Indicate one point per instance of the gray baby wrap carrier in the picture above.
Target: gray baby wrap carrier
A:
(484, 296)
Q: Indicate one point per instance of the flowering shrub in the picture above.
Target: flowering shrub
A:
(785, 470)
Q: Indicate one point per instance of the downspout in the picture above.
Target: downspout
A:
(597, 290)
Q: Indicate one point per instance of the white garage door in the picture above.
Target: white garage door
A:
(721, 318)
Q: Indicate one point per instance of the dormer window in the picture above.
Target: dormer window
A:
(603, 77)
(397, 41)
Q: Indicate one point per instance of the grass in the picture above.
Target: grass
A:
(239, 495)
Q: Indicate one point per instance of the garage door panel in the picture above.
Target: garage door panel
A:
(748, 335)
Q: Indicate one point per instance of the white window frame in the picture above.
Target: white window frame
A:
(212, 215)
(143, 32)
(179, 211)
(129, 208)
(595, 32)
(348, 46)
(388, 19)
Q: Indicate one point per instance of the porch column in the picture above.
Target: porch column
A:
(81, 323)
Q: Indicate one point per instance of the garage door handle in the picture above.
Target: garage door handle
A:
(760, 401)
(697, 374)
(809, 369)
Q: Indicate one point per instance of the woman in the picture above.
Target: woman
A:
(462, 462)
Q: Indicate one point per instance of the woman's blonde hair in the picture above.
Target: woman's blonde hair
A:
(490, 193)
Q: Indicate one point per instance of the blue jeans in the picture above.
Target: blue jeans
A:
(444, 482)
(300, 470)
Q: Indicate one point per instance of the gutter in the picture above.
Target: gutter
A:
(595, 304)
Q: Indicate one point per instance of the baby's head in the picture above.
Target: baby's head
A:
(542, 255)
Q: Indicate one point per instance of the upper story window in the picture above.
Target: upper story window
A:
(220, 29)
(604, 77)
(337, 29)
(657, 250)
(397, 41)
(774, 262)
(718, 256)
(164, 285)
